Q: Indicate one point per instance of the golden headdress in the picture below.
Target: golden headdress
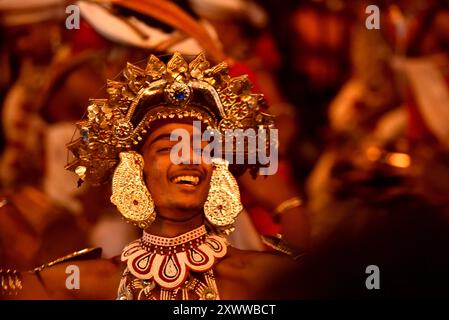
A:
(175, 90)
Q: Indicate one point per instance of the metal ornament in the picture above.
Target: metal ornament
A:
(129, 192)
(223, 201)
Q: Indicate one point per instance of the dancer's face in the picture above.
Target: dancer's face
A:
(178, 187)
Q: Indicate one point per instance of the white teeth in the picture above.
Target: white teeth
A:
(186, 180)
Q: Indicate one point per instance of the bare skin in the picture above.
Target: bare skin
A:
(240, 274)
(270, 191)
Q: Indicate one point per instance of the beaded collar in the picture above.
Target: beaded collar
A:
(168, 261)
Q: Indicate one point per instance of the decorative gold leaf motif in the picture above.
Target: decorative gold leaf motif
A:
(177, 66)
(155, 68)
(240, 85)
(135, 77)
(198, 66)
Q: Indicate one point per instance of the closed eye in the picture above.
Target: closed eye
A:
(164, 149)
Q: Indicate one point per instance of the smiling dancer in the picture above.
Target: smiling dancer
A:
(186, 210)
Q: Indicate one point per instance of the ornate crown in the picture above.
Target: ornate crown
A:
(175, 90)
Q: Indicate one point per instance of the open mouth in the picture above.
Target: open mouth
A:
(186, 180)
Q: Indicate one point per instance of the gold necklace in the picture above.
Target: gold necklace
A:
(172, 268)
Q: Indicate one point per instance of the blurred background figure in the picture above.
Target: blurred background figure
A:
(387, 120)
(31, 42)
(32, 37)
(313, 38)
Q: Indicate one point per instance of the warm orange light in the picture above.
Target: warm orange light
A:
(400, 160)
(373, 153)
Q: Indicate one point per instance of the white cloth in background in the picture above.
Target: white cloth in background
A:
(245, 236)
(432, 95)
(112, 234)
(231, 9)
(119, 31)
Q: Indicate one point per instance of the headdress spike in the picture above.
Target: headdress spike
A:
(198, 66)
(177, 65)
(155, 68)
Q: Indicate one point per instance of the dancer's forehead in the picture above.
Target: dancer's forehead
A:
(162, 130)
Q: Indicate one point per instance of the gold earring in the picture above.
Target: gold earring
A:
(223, 201)
(129, 192)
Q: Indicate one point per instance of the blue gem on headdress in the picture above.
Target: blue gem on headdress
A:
(178, 92)
(180, 95)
